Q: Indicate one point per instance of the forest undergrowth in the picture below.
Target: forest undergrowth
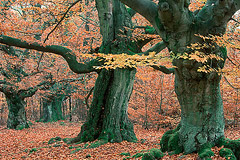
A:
(33, 143)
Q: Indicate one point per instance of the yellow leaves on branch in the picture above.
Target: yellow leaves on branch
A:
(112, 61)
(209, 69)
(199, 57)
(223, 41)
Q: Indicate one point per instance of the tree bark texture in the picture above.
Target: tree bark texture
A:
(52, 109)
(202, 119)
(107, 118)
(17, 115)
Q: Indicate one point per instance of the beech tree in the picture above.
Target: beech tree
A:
(53, 98)
(12, 75)
(202, 120)
(107, 117)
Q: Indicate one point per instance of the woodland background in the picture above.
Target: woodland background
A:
(153, 106)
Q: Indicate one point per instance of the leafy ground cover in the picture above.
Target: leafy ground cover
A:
(33, 143)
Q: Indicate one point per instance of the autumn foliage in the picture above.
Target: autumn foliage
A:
(153, 106)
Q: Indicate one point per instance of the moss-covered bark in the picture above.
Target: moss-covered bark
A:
(52, 109)
(107, 118)
(17, 115)
(202, 119)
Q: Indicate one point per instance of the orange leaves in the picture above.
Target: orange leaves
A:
(18, 144)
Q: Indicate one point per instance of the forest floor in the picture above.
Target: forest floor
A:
(32, 143)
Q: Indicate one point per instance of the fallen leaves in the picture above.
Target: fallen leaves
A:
(32, 143)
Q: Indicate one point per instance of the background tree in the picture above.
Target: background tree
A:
(52, 99)
(177, 27)
(12, 74)
(107, 118)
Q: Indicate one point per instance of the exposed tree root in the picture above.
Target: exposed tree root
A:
(152, 154)
(205, 151)
(170, 142)
(92, 145)
(231, 148)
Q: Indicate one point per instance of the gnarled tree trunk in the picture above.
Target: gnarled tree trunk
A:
(17, 115)
(108, 118)
(202, 118)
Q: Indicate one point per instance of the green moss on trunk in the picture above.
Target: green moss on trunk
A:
(17, 115)
(52, 109)
(107, 117)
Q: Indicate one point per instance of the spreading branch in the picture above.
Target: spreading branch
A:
(66, 53)
(216, 14)
(146, 8)
(164, 69)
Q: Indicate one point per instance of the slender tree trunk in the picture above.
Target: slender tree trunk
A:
(107, 118)
(70, 108)
(146, 112)
(161, 94)
(17, 115)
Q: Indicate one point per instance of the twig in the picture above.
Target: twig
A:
(230, 84)
(56, 28)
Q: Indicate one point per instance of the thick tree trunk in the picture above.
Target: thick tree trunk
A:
(17, 115)
(52, 109)
(108, 118)
(202, 118)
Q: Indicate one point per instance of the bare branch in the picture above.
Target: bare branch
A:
(235, 20)
(61, 19)
(55, 29)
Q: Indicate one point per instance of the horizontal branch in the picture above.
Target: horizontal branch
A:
(164, 69)
(66, 53)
